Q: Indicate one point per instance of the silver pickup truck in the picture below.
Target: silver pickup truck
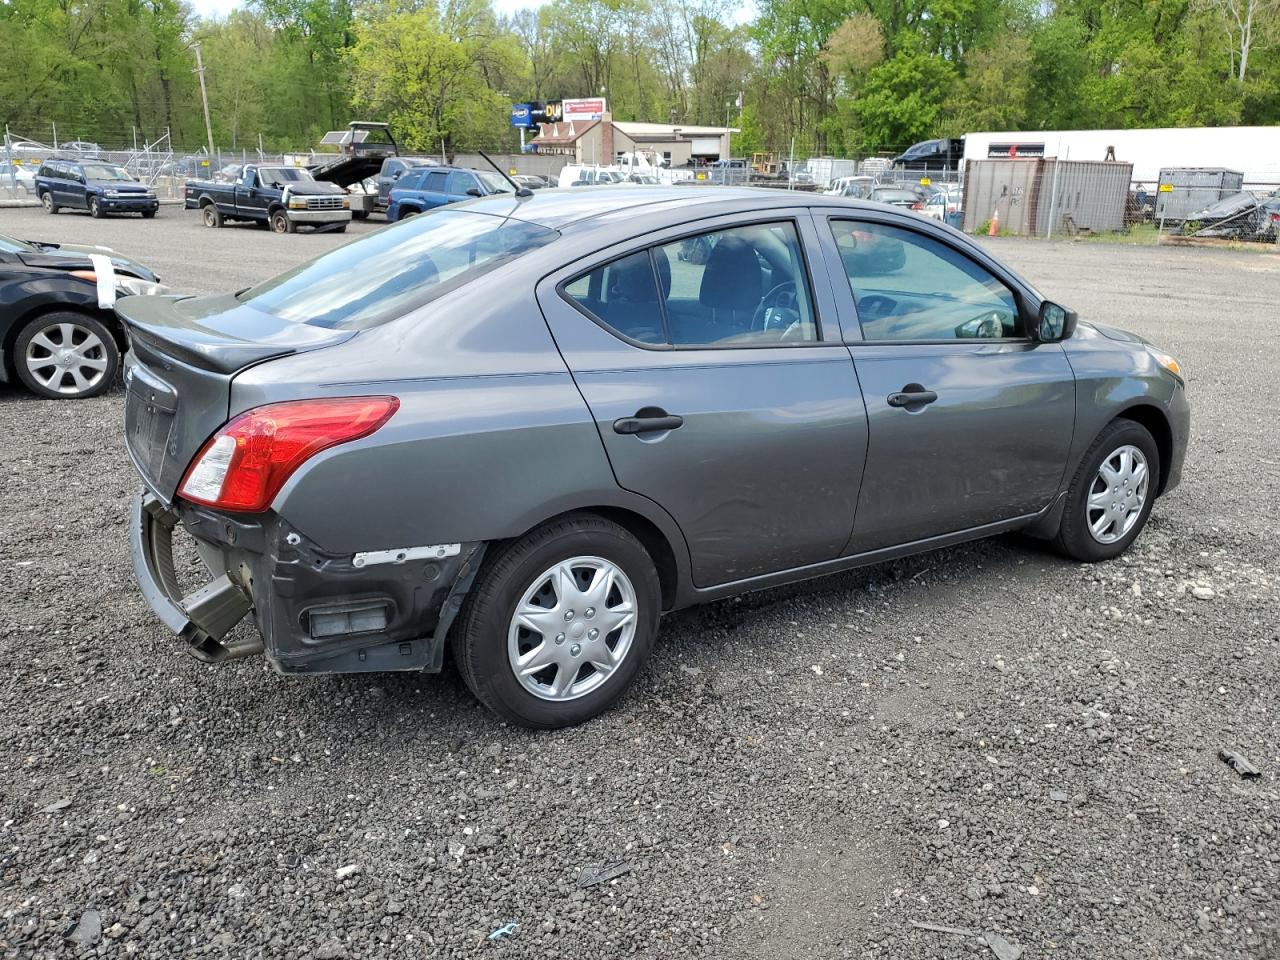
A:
(282, 197)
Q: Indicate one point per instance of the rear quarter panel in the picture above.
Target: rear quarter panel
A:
(491, 438)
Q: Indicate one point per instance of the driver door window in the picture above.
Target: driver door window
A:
(910, 287)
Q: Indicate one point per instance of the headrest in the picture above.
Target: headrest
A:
(731, 280)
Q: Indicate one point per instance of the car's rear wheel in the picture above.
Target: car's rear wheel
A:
(1111, 494)
(559, 623)
(95, 208)
(212, 215)
(66, 355)
(46, 199)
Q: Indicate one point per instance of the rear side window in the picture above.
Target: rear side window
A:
(389, 273)
(740, 287)
(624, 294)
(436, 181)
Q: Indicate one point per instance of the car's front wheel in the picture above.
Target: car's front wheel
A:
(66, 355)
(280, 223)
(559, 623)
(1111, 494)
(95, 208)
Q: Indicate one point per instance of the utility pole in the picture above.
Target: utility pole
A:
(204, 98)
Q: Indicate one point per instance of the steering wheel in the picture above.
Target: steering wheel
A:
(779, 310)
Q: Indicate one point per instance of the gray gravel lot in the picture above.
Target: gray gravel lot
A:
(989, 737)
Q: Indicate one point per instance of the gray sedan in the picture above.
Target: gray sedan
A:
(528, 426)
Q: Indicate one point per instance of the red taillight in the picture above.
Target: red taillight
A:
(917, 206)
(1275, 218)
(243, 466)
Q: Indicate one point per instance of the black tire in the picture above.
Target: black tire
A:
(1074, 538)
(211, 215)
(341, 229)
(360, 214)
(480, 637)
(149, 214)
(49, 324)
(95, 209)
(280, 222)
(46, 198)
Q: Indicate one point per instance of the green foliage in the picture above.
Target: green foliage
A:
(837, 76)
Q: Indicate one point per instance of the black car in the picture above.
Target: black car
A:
(58, 333)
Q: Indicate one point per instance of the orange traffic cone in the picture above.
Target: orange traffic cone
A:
(994, 229)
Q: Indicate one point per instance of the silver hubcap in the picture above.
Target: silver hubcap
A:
(572, 628)
(66, 358)
(1118, 494)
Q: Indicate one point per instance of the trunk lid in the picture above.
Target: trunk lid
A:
(184, 354)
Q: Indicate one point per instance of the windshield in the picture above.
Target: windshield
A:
(268, 175)
(10, 245)
(393, 271)
(493, 183)
(105, 171)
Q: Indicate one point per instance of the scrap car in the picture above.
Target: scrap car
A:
(59, 336)
(280, 197)
(526, 426)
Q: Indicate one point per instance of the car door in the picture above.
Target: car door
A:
(712, 364)
(251, 196)
(970, 418)
(434, 189)
(392, 170)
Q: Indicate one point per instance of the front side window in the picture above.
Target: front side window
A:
(908, 286)
(460, 183)
(739, 287)
(386, 274)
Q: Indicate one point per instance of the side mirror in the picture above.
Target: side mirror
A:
(1055, 322)
(474, 192)
(397, 175)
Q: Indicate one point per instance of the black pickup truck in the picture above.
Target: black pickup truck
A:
(284, 198)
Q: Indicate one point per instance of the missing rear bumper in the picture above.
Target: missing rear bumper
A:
(315, 612)
(205, 616)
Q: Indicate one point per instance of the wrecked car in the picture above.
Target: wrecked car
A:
(526, 427)
(1241, 216)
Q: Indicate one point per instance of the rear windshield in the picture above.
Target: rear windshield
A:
(393, 271)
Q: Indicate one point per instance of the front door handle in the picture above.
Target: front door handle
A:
(912, 395)
(647, 420)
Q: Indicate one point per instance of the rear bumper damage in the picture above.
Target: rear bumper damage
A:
(315, 612)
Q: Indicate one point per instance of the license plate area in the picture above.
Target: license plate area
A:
(151, 406)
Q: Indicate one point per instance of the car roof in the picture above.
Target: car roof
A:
(587, 207)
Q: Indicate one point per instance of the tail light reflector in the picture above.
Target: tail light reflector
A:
(243, 466)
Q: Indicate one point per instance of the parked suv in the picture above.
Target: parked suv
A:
(93, 185)
(421, 190)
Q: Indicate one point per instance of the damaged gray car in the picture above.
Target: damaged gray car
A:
(528, 426)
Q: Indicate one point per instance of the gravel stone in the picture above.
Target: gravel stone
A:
(766, 811)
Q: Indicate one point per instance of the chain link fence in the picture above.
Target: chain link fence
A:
(1031, 197)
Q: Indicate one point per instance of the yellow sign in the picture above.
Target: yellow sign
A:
(513, 171)
(925, 181)
(1166, 188)
(701, 176)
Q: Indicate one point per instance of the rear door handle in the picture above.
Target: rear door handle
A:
(648, 420)
(912, 395)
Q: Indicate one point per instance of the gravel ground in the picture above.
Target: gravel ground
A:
(987, 738)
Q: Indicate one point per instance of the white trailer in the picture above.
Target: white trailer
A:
(1253, 150)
